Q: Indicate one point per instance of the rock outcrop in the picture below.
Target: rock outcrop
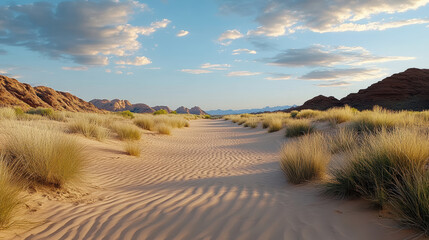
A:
(182, 110)
(15, 93)
(407, 90)
(197, 111)
(117, 105)
(156, 108)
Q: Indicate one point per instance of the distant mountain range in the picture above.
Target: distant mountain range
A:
(117, 105)
(407, 90)
(251, 110)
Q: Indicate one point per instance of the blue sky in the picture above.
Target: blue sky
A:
(214, 53)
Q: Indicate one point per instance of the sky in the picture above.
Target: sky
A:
(217, 54)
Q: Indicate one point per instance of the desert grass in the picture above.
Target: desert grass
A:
(379, 118)
(7, 113)
(9, 195)
(43, 156)
(338, 115)
(409, 200)
(300, 127)
(89, 129)
(370, 170)
(305, 159)
(275, 124)
(133, 148)
(308, 113)
(126, 131)
(163, 128)
(145, 122)
(41, 111)
(344, 140)
(252, 122)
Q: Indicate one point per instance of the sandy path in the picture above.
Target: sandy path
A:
(215, 180)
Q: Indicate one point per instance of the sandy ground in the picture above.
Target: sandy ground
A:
(214, 180)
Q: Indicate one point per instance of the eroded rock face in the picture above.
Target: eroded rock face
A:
(197, 111)
(320, 103)
(407, 90)
(15, 93)
(117, 105)
(182, 110)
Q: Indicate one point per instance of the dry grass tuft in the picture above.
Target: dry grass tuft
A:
(126, 131)
(305, 159)
(133, 148)
(145, 122)
(297, 128)
(344, 140)
(88, 129)
(44, 156)
(275, 124)
(163, 128)
(384, 156)
(9, 195)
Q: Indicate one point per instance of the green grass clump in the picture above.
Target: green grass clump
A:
(126, 131)
(133, 148)
(298, 128)
(43, 156)
(88, 129)
(9, 195)
(147, 123)
(41, 111)
(305, 159)
(409, 200)
(161, 112)
(126, 114)
(294, 113)
(382, 157)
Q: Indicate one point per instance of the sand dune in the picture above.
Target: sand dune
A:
(215, 180)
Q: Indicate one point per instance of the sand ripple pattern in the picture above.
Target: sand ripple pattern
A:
(215, 180)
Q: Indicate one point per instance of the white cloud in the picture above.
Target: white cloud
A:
(243, 50)
(280, 17)
(108, 70)
(80, 68)
(86, 32)
(215, 66)
(182, 33)
(334, 84)
(118, 72)
(138, 61)
(242, 74)
(350, 74)
(319, 55)
(226, 37)
(195, 71)
(278, 77)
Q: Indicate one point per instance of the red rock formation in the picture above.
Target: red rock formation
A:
(197, 111)
(407, 90)
(117, 105)
(14, 93)
(182, 110)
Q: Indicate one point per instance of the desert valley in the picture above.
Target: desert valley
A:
(226, 120)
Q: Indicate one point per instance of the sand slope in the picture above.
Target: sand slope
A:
(215, 180)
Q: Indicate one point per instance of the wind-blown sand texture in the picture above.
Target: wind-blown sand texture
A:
(214, 180)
